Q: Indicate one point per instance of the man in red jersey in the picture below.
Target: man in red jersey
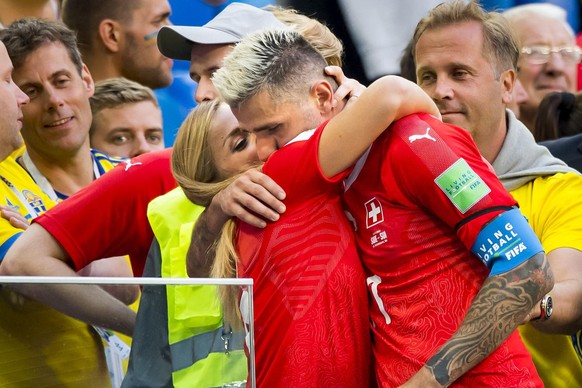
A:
(419, 227)
(446, 207)
(310, 303)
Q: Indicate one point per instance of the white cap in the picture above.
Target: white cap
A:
(235, 22)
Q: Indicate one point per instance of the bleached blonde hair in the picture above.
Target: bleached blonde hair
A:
(280, 62)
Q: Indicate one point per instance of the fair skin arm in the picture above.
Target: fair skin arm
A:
(116, 266)
(37, 249)
(497, 310)
(112, 266)
(349, 133)
(567, 293)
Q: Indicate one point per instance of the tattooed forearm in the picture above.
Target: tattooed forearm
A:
(202, 250)
(497, 310)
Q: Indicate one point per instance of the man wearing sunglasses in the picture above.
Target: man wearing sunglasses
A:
(549, 56)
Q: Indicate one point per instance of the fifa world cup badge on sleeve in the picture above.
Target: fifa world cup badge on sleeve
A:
(462, 185)
(506, 242)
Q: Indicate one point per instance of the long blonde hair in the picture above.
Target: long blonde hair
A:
(195, 171)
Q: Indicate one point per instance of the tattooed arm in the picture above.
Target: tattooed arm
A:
(500, 306)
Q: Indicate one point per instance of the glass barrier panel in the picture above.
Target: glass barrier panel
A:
(184, 332)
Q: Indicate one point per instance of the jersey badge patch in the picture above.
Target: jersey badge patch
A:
(374, 213)
(462, 185)
(34, 201)
(378, 238)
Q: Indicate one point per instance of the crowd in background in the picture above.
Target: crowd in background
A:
(131, 136)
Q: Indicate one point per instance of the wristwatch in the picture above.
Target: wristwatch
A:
(546, 307)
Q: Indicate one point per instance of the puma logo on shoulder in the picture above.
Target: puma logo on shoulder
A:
(414, 138)
(128, 164)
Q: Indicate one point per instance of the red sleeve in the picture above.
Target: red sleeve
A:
(109, 217)
(447, 175)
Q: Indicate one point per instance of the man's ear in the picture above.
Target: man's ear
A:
(110, 34)
(322, 92)
(507, 83)
(88, 80)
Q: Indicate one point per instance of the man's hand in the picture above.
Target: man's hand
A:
(423, 379)
(253, 198)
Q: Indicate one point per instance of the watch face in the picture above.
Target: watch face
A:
(549, 307)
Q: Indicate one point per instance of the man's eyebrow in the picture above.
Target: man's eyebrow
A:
(263, 127)
(118, 130)
(51, 77)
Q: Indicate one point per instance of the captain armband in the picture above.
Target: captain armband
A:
(506, 242)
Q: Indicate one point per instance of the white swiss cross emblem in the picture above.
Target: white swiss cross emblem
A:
(374, 214)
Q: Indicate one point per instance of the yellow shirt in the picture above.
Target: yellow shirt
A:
(40, 347)
(18, 191)
(553, 207)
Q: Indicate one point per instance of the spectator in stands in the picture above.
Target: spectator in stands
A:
(38, 346)
(466, 60)
(127, 120)
(56, 121)
(118, 38)
(549, 56)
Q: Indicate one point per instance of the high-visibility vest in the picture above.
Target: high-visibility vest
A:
(195, 331)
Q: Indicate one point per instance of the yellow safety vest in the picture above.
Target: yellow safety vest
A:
(195, 332)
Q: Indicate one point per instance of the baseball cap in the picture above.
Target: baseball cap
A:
(232, 24)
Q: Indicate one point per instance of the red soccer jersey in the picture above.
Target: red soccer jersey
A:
(418, 202)
(311, 314)
(109, 217)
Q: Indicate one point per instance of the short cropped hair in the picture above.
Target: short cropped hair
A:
(113, 92)
(84, 16)
(500, 45)
(24, 36)
(279, 61)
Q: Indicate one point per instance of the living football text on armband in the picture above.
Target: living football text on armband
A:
(506, 242)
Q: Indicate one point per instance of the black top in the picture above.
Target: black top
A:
(568, 149)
